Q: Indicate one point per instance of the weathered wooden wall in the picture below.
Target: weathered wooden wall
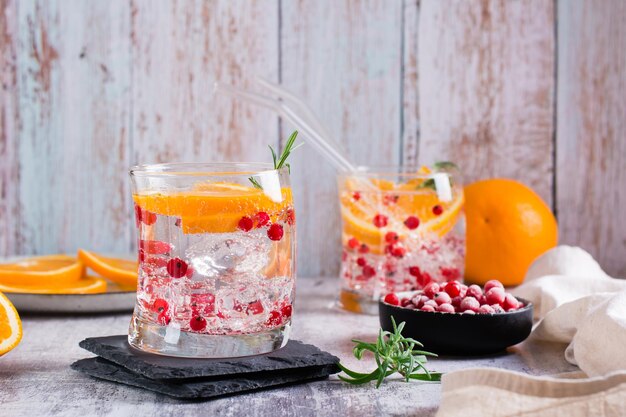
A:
(528, 89)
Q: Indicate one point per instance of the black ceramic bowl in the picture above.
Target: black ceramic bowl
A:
(460, 334)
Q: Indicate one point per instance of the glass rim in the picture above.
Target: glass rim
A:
(377, 171)
(226, 169)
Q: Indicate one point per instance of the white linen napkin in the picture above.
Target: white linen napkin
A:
(576, 303)
(581, 305)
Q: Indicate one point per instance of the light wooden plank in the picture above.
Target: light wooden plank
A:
(9, 125)
(410, 81)
(343, 58)
(591, 129)
(486, 88)
(180, 48)
(74, 83)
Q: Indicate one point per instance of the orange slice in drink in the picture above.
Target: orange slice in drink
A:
(42, 270)
(396, 205)
(10, 325)
(121, 271)
(88, 285)
(214, 207)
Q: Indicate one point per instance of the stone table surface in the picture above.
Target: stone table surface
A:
(36, 379)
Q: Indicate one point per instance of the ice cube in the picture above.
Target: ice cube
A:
(222, 254)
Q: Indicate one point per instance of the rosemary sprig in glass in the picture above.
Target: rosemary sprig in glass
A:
(281, 161)
(393, 353)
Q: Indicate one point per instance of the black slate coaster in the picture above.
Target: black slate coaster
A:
(291, 358)
(201, 389)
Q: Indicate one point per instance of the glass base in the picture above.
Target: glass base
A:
(357, 303)
(170, 341)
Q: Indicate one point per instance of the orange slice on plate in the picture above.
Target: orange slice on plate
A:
(121, 271)
(10, 325)
(89, 285)
(42, 270)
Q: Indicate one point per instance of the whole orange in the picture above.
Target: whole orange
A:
(508, 226)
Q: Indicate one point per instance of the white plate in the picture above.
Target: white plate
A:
(112, 301)
(107, 302)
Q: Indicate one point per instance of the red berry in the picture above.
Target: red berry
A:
(159, 305)
(398, 252)
(437, 210)
(417, 301)
(495, 295)
(431, 303)
(290, 217)
(148, 218)
(380, 220)
(442, 298)
(427, 308)
(445, 308)
(189, 272)
(412, 222)
(356, 196)
(360, 261)
(424, 279)
(164, 318)
(469, 303)
(155, 247)
(390, 199)
(405, 301)
(245, 223)
(431, 289)
(197, 323)
(415, 271)
(275, 232)
(364, 248)
(369, 271)
(262, 218)
(392, 299)
(450, 274)
(177, 268)
(497, 308)
(137, 215)
(463, 290)
(510, 302)
(254, 307)
(391, 237)
(286, 311)
(353, 243)
(474, 291)
(274, 319)
(453, 288)
(202, 303)
(456, 301)
(493, 284)
(486, 309)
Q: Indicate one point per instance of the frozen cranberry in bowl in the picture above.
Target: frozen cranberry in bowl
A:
(480, 322)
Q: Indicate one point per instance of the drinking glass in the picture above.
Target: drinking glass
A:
(216, 247)
(401, 230)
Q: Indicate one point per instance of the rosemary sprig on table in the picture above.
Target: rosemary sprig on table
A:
(393, 353)
(281, 161)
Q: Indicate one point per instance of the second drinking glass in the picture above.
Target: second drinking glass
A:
(401, 230)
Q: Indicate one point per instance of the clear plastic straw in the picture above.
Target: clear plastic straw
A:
(303, 109)
(317, 140)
